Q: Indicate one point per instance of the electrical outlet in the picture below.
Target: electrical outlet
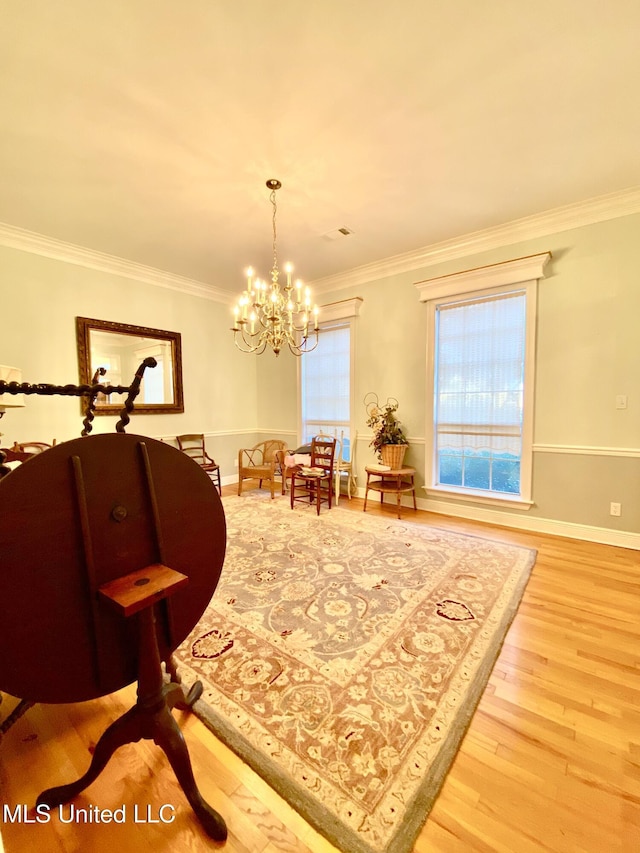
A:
(615, 509)
(621, 401)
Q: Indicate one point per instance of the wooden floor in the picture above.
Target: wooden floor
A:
(551, 761)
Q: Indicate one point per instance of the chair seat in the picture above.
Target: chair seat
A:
(209, 466)
(261, 472)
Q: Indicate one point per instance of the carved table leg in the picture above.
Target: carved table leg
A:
(21, 708)
(126, 729)
(169, 738)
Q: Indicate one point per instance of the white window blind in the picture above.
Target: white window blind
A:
(326, 385)
(479, 392)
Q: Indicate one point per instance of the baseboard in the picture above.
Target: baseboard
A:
(554, 527)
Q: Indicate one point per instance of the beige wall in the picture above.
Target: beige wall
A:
(587, 452)
(41, 297)
(277, 395)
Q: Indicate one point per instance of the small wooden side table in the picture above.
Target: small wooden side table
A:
(396, 482)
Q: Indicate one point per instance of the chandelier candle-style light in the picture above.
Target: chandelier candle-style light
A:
(269, 315)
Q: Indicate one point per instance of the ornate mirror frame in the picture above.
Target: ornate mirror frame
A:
(121, 348)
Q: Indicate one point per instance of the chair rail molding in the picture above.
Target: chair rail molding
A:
(585, 450)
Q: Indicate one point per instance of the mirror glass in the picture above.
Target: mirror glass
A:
(120, 349)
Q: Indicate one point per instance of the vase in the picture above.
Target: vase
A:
(393, 455)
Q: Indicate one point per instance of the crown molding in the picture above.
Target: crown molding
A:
(589, 212)
(38, 244)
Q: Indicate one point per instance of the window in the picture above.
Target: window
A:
(326, 388)
(479, 392)
(480, 381)
(157, 382)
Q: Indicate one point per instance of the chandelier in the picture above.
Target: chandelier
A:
(267, 314)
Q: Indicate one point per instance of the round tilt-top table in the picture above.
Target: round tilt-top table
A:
(111, 547)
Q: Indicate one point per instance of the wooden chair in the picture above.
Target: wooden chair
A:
(12, 455)
(193, 445)
(317, 485)
(31, 447)
(6, 455)
(342, 467)
(260, 463)
(285, 472)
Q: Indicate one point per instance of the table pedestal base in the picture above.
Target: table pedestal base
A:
(151, 716)
(159, 726)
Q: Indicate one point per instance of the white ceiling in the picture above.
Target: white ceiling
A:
(146, 129)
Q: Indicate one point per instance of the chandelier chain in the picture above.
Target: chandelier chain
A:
(275, 252)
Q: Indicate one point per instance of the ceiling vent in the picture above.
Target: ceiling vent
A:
(336, 233)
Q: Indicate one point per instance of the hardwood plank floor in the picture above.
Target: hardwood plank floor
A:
(551, 761)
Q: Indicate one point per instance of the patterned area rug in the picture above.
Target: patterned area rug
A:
(343, 655)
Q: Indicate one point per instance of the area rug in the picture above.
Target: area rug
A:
(343, 655)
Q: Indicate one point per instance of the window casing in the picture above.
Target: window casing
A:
(480, 382)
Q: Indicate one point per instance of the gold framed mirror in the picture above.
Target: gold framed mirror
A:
(120, 348)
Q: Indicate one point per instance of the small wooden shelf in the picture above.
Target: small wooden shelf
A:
(133, 592)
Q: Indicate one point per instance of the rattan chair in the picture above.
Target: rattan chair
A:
(193, 446)
(315, 484)
(260, 463)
